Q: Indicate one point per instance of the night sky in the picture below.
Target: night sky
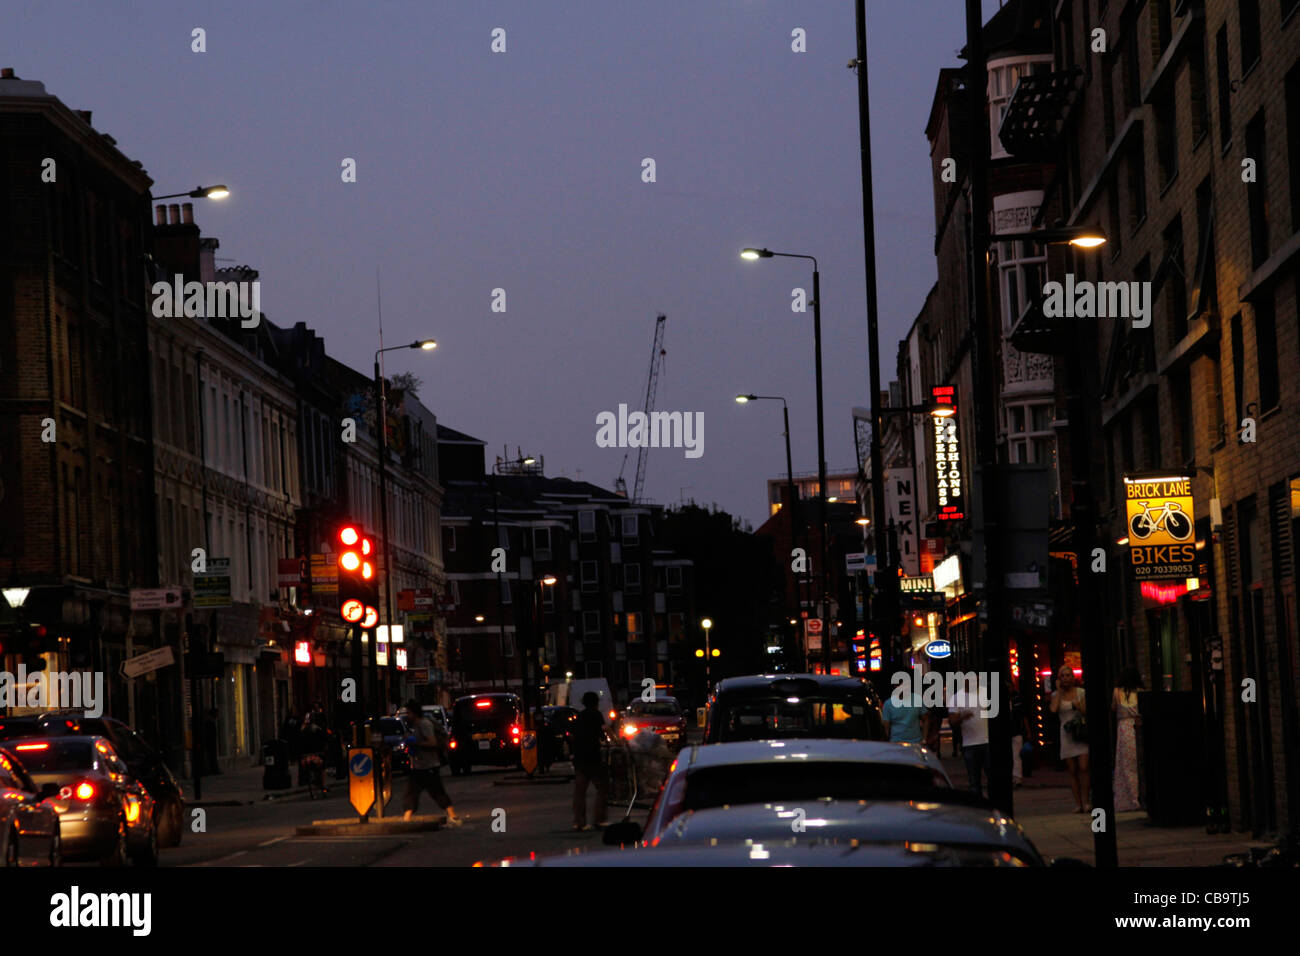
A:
(522, 171)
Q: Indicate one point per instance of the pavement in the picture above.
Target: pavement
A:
(243, 785)
(1044, 807)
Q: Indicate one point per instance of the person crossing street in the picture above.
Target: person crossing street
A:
(427, 750)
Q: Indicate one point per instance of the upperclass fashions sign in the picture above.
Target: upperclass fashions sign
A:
(1160, 513)
(950, 495)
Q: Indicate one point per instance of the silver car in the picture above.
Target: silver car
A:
(29, 827)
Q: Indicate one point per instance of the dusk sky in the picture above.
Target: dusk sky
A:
(522, 171)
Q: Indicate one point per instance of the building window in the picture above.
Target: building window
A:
(632, 578)
(635, 674)
(1248, 20)
(1137, 181)
(1021, 268)
(1293, 141)
(1166, 116)
(1266, 353)
(505, 591)
(1257, 192)
(676, 627)
(1200, 96)
(674, 580)
(1132, 66)
(1003, 77)
(542, 543)
(1238, 369)
(635, 634)
(586, 526)
(548, 596)
(631, 525)
(1180, 393)
(1288, 8)
(1175, 283)
(590, 581)
(591, 624)
(448, 539)
(1225, 86)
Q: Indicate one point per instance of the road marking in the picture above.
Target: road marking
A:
(273, 842)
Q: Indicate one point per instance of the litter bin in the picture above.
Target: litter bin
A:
(275, 765)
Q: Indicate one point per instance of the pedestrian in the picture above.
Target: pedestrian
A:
(964, 713)
(428, 749)
(289, 732)
(1019, 730)
(210, 734)
(1127, 720)
(312, 744)
(588, 767)
(1068, 703)
(903, 721)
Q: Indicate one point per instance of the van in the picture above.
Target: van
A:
(569, 694)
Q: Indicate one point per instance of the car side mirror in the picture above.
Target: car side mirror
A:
(49, 790)
(625, 832)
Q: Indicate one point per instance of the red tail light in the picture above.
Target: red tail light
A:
(453, 745)
(82, 791)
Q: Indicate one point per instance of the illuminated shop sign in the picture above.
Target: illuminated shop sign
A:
(950, 493)
(1160, 512)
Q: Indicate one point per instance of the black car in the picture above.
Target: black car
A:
(777, 706)
(145, 763)
(485, 729)
(560, 722)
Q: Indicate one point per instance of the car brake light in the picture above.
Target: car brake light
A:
(482, 704)
(453, 745)
(132, 810)
(613, 715)
(629, 730)
(84, 791)
(32, 747)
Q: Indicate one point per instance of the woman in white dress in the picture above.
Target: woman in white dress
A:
(1069, 705)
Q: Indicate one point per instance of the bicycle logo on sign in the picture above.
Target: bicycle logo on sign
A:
(1170, 519)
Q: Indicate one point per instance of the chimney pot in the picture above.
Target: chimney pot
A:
(187, 213)
(7, 73)
(160, 215)
(174, 214)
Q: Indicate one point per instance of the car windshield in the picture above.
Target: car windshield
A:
(56, 756)
(766, 719)
(798, 780)
(655, 708)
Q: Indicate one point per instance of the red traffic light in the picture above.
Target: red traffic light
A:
(349, 535)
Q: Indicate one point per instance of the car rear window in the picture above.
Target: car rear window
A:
(57, 756)
(769, 718)
(391, 725)
(655, 708)
(836, 780)
(485, 707)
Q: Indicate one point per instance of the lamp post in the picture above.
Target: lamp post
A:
(708, 654)
(381, 421)
(501, 599)
(199, 192)
(789, 477)
(528, 679)
(752, 253)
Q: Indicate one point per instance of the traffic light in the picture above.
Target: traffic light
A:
(358, 583)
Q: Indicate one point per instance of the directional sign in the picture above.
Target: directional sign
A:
(155, 599)
(361, 779)
(528, 752)
(151, 661)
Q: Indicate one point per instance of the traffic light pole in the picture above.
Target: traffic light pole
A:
(387, 594)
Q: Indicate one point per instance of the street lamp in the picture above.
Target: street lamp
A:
(708, 653)
(200, 192)
(752, 253)
(789, 471)
(381, 421)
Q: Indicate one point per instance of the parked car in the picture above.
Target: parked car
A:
(146, 763)
(29, 827)
(780, 706)
(786, 771)
(485, 729)
(663, 715)
(104, 813)
(958, 821)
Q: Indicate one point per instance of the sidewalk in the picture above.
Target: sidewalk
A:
(235, 788)
(1044, 808)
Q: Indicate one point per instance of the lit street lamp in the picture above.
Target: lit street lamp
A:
(200, 192)
(381, 422)
(708, 653)
(751, 253)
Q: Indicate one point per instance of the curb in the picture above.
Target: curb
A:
(527, 781)
(350, 827)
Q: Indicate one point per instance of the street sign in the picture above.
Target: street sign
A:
(155, 599)
(1160, 514)
(324, 575)
(212, 587)
(409, 599)
(361, 779)
(289, 573)
(528, 752)
(855, 562)
(151, 661)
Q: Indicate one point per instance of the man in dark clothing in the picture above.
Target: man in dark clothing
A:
(427, 745)
(588, 733)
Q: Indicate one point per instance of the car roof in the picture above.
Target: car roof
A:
(781, 854)
(795, 684)
(807, 749)
(873, 821)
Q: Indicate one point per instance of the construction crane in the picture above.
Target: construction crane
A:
(620, 486)
(657, 354)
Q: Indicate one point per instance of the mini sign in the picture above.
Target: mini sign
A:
(924, 582)
(1160, 513)
(950, 492)
(937, 650)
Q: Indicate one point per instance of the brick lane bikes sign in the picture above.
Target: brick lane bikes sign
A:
(1160, 514)
(950, 492)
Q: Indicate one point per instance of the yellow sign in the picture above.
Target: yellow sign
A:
(1160, 515)
(361, 778)
(528, 752)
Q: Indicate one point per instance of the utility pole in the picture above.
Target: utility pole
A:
(986, 399)
(884, 601)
